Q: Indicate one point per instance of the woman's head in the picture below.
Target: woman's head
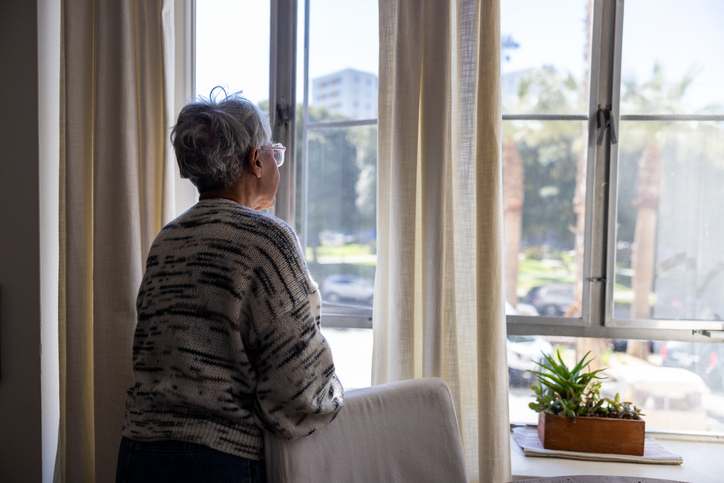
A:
(212, 139)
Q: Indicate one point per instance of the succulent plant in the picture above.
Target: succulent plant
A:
(573, 392)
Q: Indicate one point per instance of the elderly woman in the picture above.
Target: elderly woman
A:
(228, 341)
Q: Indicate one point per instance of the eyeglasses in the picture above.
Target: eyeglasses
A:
(278, 152)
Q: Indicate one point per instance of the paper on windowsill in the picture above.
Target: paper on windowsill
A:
(654, 453)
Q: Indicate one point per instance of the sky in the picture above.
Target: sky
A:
(548, 33)
(233, 41)
(232, 47)
(678, 34)
(681, 35)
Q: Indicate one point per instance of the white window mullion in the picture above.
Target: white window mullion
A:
(185, 194)
(282, 98)
(601, 193)
(305, 136)
(613, 163)
(594, 234)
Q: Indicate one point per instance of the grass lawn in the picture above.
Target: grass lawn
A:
(531, 273)
(349, 250)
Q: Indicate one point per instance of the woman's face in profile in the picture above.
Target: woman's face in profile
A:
(269, 181)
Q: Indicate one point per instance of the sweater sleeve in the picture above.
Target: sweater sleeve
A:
(297, 388)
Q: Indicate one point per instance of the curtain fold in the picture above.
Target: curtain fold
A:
(116, 193)
(439, 294)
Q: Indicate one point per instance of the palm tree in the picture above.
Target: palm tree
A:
(541, 91)
(513, 197)
(579, 198)
(661, 97)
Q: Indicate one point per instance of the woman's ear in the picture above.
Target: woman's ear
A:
(254, 162)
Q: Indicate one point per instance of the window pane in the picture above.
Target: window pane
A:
(352, 350)
(337, 174)
(341, 224)
(669, 257)
(677, 385)
(343, 53)
(232, 47)
(544, 56)
(671, 60)
(543, 195)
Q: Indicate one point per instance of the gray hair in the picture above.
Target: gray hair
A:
(212, 139)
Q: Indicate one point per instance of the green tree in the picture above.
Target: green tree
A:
(342, 185)
(333, 173)
(539, 166)
(560, 93)
(545, 186)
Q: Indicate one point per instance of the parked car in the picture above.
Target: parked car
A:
(621, 345)
(331, 238)
(702, 358)
(551, 299)
(671, 397)
(347, 288)
(523, 352)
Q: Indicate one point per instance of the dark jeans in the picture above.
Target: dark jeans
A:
(179, 462)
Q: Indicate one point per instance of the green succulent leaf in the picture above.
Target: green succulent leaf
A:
(573, 392)
(577, 368)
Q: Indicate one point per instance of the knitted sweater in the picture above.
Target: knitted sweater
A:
(228, 341)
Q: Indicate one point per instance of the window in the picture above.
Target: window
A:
(328, 183)
(611, 232)
(336, 179)
(612, 158)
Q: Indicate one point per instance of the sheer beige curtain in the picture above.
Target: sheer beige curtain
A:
(116, 193)
(439, 285)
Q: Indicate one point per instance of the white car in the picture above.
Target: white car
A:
(524, 351)
(347, 288)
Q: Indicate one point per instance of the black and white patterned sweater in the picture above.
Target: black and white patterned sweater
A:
(228, 340)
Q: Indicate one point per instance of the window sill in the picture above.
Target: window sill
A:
(702, 464)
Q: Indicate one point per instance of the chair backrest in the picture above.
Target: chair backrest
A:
(400, 432)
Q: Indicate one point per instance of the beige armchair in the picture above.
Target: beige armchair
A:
(400, 432)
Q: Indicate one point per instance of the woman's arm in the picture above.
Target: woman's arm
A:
(297, 388)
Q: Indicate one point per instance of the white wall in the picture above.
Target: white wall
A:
(28, 240)
(185, 192)
(49, 153)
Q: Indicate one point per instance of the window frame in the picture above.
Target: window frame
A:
(694, 330)
(597, 319)
(282, 99)
(343, 317)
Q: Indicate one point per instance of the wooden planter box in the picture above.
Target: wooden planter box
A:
(592, 435)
